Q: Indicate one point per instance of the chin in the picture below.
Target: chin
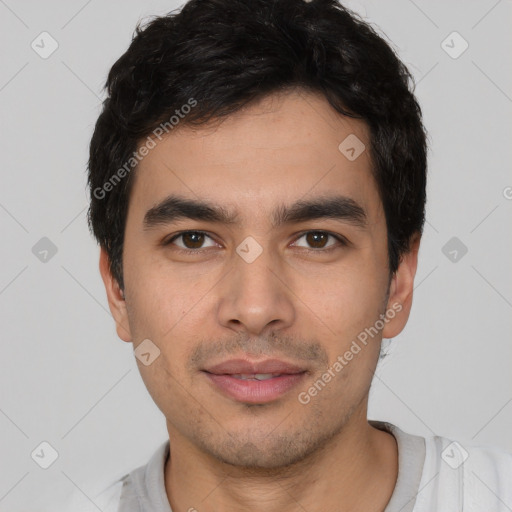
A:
(259, 453)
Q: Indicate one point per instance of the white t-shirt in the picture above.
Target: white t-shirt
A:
(435, 474)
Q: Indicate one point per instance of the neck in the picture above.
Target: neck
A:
(354, 471)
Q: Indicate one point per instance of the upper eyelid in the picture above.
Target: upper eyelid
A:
(340, 238)
(177, 235)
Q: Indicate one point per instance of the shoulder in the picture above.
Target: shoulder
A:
(135, 490)
(460, 475)
(106, 499)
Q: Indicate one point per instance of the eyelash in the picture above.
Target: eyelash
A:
(342, 240)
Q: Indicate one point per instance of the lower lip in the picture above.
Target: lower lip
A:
(255, 391)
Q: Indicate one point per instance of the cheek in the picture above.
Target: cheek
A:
(168, 307)
(161, 295)
(348, 301)
(349, 306)
(165, 385)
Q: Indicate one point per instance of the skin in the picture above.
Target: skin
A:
(304, 307)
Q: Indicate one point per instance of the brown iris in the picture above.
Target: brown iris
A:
(196, 240)
(313, 238)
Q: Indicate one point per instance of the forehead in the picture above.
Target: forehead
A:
(284, 148)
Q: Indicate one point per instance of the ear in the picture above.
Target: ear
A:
(115, 296)
(401, 291)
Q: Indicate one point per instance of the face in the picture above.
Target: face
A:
(256, 299)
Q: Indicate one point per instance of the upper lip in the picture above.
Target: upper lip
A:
(247, 367)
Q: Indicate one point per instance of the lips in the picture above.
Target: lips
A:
(245, 367)
(254, 382)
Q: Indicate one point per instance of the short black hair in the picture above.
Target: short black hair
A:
(217, 56)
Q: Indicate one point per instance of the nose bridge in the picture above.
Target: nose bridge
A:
(254, 264)
(254, 294)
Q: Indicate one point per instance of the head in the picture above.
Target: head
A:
(258, 186)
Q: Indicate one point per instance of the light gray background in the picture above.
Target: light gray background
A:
(65, 376)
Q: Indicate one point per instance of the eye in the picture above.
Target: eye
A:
(190, 240)
(318, 239)
(193, 241)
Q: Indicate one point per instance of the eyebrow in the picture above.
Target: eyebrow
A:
(175, 207)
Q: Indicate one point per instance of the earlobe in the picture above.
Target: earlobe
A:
(401, 291)
(115, 297)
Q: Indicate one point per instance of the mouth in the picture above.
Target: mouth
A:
(254, 382)
(256, 376)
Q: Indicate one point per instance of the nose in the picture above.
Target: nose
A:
(255, 296)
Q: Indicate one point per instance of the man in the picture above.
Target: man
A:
(258, 179)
